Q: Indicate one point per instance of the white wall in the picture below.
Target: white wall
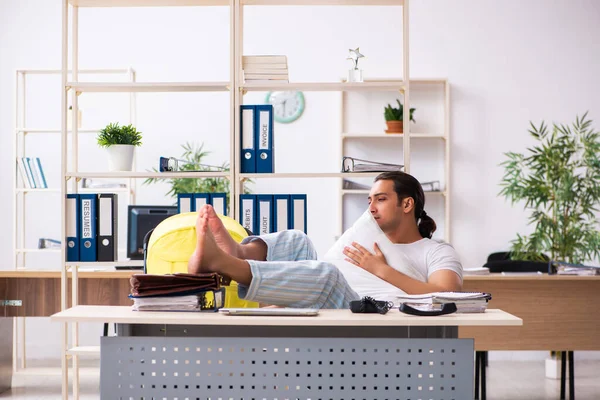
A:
(508, 63)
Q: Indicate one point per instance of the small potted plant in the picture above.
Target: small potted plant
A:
(394, 118)
(120, 143)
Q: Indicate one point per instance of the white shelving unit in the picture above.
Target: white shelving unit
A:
(20, 149)
(440, 86)
(72, 88)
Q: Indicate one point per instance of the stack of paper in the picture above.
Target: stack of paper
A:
(466, 302)
(476, 271)
(194, 302)
(262, 69)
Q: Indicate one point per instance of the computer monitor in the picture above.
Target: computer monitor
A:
(140, 221)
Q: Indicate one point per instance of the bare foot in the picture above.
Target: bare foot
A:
(207, 251)
(221, 234)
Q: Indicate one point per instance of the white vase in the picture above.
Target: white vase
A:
(120, 157)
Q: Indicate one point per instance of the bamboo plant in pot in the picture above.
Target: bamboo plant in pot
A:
(120, 143)
(558, 181)
(394, 118)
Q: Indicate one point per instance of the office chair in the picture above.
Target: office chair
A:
(501, 262)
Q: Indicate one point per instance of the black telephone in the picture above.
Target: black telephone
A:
(426, 310)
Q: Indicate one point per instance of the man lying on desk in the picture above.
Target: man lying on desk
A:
(282, 268)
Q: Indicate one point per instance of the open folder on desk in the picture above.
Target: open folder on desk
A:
(351, 164)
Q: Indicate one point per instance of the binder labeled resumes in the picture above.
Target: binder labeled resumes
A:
(107, 227)
(265, 211)
(185, 202)
(219, 203)
(264, 138)
(281, 213)
(87, 231)
(298, 212)
(248, 212)
(247, 128)
(72, 227)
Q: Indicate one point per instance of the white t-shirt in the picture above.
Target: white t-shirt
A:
(417, 260)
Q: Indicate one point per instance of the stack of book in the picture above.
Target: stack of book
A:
(263, 69)
(466, 302)
(32, 173)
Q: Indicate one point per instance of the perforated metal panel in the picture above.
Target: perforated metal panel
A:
(170, 368)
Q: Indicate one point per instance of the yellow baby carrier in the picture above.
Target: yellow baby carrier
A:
(169, 247)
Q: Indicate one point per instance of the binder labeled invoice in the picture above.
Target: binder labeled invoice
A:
(264, 138)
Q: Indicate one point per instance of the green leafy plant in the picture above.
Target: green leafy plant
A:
(396, 114)
(559, 180)
(115, 134)
(194, 155)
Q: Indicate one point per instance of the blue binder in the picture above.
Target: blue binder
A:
(248, 212)
(264, 216)
(200, 199)
(281, 212)
(219, 202)
(185, 203)
(264, 139)
(40, 171)
(73, 219)
(88, 204)
(298, 212)
(247, 129)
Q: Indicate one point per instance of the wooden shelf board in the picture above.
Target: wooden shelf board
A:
(313, 175)
(41, 130)
(324, 86)
(147, 3)
(84, 351)
(137, 87)
(322, 2)
(163, 175)
(391, 136)
(125, 263)
(25, 250)
(365, 191)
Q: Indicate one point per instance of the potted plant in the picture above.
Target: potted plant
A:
(559, 180)
(194, 155)
(394, 117)
(120, 143)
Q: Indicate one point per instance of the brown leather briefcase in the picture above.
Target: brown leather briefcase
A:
(143, 285)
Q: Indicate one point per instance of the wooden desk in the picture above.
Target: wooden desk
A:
(39, 291)
(558, 312)
(302, 362)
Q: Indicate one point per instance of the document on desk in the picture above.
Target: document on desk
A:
(466, 302)
(519, 273)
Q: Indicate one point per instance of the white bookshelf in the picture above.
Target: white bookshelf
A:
(423, 138)
(73, 87)
(23, 133)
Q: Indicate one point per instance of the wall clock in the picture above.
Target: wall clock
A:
(288, 106)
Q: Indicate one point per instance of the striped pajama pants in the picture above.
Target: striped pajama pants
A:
(292, 276)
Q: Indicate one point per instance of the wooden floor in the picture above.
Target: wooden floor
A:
(507, 380)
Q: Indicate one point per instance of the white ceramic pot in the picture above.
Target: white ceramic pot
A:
(120, 157)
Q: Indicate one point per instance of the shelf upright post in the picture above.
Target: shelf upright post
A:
(236, 184)
(406, 81)
(74, 167)
(447, 144)
(63, 192)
